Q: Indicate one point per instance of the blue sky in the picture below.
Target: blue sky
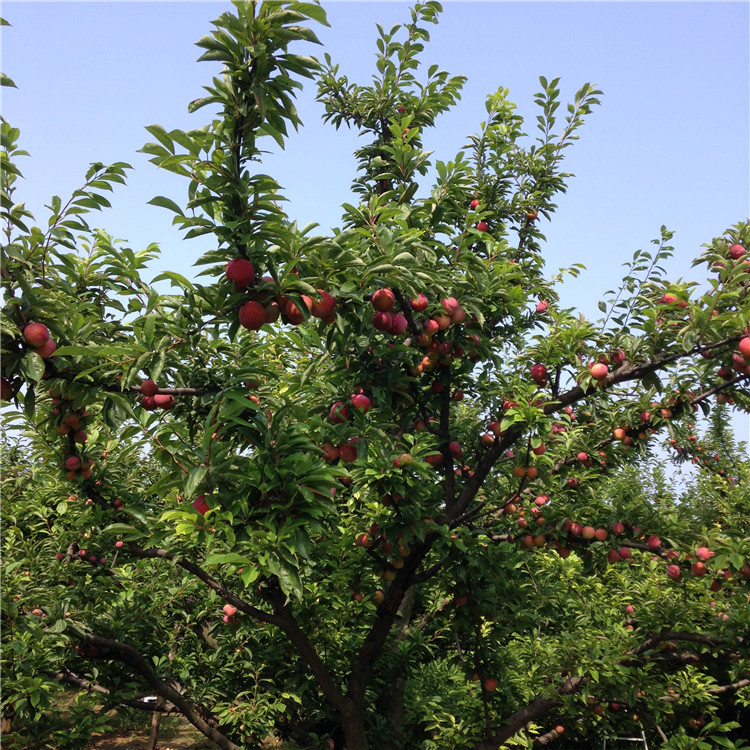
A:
(669, 145)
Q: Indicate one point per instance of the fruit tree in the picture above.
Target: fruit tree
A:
(376, 488)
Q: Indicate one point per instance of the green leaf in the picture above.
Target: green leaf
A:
(180, 280)
(311, 10)
(163, 202)
(122, 402)
(228, 558)
(126, 531)
(162, 136)
(32, 366)
(29, 402)
(194, 481)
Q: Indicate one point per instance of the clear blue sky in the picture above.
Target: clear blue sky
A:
(669, 145)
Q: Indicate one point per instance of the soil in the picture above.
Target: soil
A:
(176, 734)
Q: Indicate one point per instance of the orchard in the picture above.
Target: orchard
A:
(376, 488)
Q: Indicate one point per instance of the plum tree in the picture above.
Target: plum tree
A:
(346, 449)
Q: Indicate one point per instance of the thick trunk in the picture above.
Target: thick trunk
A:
(391, 706)
(353, 725)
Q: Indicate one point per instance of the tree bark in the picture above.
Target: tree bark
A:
(353, 726)
(153, 737)
(391, 705)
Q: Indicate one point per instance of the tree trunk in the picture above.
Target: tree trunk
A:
(153, 738)
(391, 706)
(353, 725)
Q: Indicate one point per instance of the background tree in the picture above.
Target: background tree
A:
(368, 488)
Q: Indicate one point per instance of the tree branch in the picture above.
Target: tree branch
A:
(73, 679)
(210, 581)
(126, 654)
(531, 712)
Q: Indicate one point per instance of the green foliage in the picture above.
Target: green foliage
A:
(412, 573)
